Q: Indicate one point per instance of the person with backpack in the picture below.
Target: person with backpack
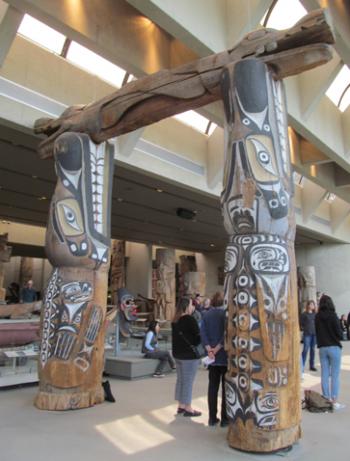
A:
(329, 336)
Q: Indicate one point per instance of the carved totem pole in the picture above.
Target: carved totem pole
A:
(262, 382)
(74, 306)
(262, 385)
(165, 285)
(117, 268)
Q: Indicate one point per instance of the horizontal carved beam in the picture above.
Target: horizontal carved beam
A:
(168, 92)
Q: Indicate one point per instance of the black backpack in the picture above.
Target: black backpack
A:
(316, 403)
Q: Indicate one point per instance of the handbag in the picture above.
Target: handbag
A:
(199, 350)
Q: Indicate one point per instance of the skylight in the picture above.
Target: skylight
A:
(41, 34)
(95, 64)
(285, 14)
(196, 121)
(336, 90)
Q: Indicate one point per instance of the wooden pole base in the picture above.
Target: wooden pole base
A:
(68, 401)
(264, 441)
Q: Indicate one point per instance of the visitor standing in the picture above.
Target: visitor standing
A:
(307, 323)
(151, 349)
(212, 334)
(28, 294)
(185, 335)
(329, 335)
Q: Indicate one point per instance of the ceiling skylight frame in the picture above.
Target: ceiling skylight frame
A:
(278, 19)
(196, 121)
(95, 64)
(339, 91)
(41, 34)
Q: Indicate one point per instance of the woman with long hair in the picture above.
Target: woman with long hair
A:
(185, 335)
(329, 335)
(151, 350)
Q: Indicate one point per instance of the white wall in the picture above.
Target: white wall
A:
(139, 268)
(41, 272)
(209, 263)
(332, 264)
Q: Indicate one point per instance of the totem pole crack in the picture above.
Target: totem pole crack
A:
(262, 381)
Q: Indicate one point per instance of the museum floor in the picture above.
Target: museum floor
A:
(141, 426)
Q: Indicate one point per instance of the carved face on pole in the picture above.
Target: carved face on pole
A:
(79, 228)
(127, 304)
(259, 219)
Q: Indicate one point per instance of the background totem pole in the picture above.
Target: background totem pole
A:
(262, 382)
(165, 285)
(77, 245)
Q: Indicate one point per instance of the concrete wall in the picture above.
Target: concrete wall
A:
(332, 263)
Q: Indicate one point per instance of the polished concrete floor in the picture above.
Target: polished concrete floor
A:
(142, 425)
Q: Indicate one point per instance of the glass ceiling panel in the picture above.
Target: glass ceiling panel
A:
(41, 34)
(285, 14)
(334, 92)
(194, 120)
(95, 64)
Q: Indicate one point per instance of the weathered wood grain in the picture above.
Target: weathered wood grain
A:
(168, 92)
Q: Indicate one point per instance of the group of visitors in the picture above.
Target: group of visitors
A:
(322, 327)
(17, 295)
(186, 336)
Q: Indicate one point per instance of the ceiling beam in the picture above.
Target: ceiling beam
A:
(215, 158)
(125, 144)
(314, 84)
(340, 211)
(10, 19)
(309, 154)
(312, 197)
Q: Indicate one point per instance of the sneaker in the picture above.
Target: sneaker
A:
(158, 375)
(338, 406)
(313, 369)
(180, 411)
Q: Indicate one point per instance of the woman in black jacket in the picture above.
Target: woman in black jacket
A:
(329, 335)
(185, 334)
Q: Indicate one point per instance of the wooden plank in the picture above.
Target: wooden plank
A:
(169, 92)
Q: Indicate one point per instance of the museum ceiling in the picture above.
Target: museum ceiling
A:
(141, 37)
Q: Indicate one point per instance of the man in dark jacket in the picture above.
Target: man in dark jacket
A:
(212, 334)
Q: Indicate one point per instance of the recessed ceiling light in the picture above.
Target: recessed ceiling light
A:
(42, 198)
(212, 245)
(159, 190)
(119, 199)
(34, 176)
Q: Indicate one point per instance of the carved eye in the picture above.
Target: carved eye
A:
(267, 127)
(263, 156)
(246, 121)
(70, 217)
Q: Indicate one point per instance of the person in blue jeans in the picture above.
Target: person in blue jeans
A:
(307, 324)
(329, 335)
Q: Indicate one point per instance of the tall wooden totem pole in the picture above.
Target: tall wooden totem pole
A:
(77, 245)
(262, 385)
